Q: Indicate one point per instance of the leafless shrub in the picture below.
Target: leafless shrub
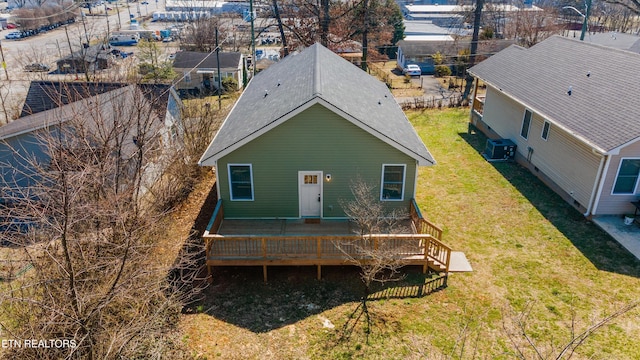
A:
(94, 290)
(199, 123)
(517, 327)
(378, 257)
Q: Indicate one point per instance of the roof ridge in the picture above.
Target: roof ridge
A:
(317, 79)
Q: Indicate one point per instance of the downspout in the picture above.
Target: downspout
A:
(215, 166)
(597, 186)
(415, 181)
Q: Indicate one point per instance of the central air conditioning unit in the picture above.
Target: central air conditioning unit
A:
(499, 150)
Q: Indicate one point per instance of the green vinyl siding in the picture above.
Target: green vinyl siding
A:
(315, 140)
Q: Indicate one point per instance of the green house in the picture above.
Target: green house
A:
(303, 131)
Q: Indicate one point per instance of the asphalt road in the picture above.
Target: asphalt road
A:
(47, 47)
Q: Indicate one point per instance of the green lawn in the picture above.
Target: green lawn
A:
(531, 253)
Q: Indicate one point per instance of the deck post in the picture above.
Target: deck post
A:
(319, 255)
(425, 267)
(264, 272)
(209, 274)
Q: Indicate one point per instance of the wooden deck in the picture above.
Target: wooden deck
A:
(329, 242)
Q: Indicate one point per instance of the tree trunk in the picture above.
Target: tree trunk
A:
(365, 35)
(477, 17)
(276, 13)
(324, 33)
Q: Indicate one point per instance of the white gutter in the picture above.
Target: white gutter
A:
(602, 178)
(596, 183)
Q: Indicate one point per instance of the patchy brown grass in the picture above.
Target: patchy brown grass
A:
(529, 250)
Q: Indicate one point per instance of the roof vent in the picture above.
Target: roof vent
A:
(278, 82)
(588, 73)
(266, 92)
(568, 91)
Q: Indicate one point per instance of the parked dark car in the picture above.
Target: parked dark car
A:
(36, 68)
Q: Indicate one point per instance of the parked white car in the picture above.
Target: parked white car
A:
(412, 70)
(13, 35)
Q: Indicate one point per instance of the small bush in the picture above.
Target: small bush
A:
(442, 71)
(229, 84)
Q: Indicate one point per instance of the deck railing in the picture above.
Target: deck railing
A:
(214, 225)
(422, 225)
(316, 249)
(435, 249)
(423, 247)
(478, 105)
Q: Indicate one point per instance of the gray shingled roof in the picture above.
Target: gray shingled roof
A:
(199, 60)
(616, 40)
(118, 102)
(316, 75)
(46, 95)
(602, 109)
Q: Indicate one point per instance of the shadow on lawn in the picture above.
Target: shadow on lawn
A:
(604, 252)
(239, 296)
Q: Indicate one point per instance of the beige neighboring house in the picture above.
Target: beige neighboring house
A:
(198, 71)
(571, 108)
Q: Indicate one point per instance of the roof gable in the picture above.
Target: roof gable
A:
(316, 75)
(199, 60)
(601, 110)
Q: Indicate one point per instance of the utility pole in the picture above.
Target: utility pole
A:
(59, 51)
(106, 12)
(219, 77)
(586, 19)
(119, 22)
(253, 41)
(84, 25)
(4, 64)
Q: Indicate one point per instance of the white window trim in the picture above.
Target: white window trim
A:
(546, 123)
(404, 181)
(231, 188)
(522, 123)
(613, 186)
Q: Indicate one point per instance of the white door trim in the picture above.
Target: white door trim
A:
(301, 175)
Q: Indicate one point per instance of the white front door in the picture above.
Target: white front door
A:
(310, 190)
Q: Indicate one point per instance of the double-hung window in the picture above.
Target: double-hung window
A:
(392, 188)
(241, 182)
(545, 131)
(526, 124)
(627, 178)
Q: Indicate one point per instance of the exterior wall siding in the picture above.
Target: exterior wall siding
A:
(315, 140)
(196, 79)
(17, 155)
(567, 163)
(610, 204)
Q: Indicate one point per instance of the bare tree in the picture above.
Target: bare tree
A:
(529, 27)
(524, 345)
(4, 97)
(95, 292)
(378, 257)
